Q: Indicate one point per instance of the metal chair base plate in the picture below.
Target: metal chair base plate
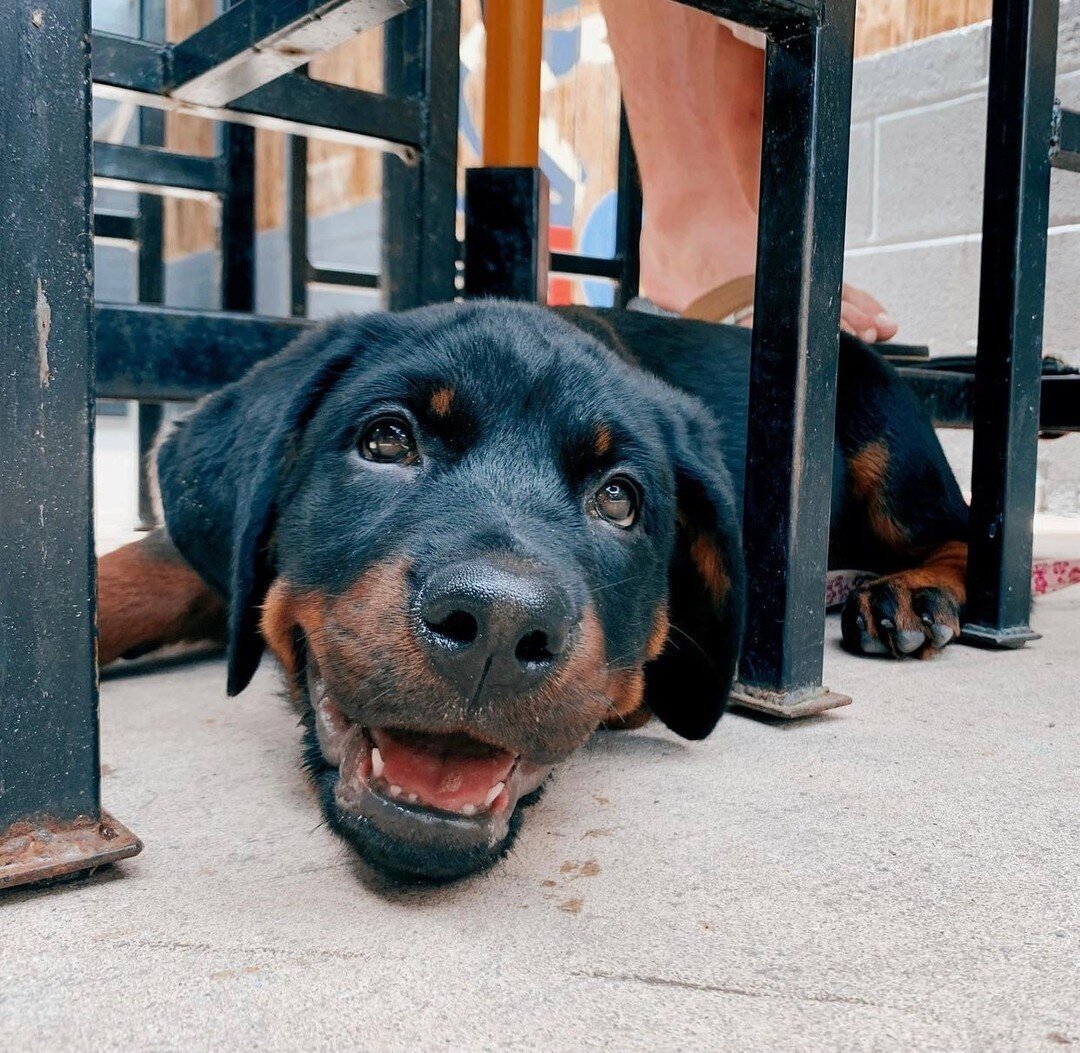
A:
(1008, 639)
(52, 849)
(791, 705)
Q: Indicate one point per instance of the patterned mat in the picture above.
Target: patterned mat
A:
(1047, 575)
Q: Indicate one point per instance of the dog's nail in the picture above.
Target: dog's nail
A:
(860, 621)
(908, 640)
(872, 645)
(942, 634)
(887, 623)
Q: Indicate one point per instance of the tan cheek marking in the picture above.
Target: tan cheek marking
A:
(441, 401)
(868, 468)
(283, 610)
(627, 693)
(710, 566)
(658, 636)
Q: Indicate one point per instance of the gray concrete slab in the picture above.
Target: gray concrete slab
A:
(898, 875)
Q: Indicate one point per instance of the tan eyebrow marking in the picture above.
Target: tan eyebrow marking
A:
(602, 440)
(441, 401)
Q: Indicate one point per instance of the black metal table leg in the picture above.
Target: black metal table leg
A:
(51, 821)
(794, 363)
(1023, 54)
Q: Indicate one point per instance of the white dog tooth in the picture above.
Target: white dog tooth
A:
(413, 798)
(493, 793)
(469, 809)
(395, 791)
(376, 762)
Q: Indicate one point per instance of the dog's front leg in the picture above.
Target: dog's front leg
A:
(148, 596)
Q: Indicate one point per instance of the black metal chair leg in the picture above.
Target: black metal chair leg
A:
(794, 363)
(1023, 49)
(420, 195)
(151, 269)
(627, 217)
(51, 821)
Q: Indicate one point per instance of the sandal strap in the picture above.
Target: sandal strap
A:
(724, 302)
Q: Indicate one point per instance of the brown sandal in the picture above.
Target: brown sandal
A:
(728, 304)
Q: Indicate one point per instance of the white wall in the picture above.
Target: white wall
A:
(915, 211)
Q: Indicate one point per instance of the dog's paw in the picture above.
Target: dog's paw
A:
(891, 617)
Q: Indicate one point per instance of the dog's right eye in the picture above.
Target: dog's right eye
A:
(389, 440)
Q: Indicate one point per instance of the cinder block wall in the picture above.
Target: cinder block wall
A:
(915, 211)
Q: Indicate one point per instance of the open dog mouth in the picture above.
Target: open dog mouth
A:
(420, 805)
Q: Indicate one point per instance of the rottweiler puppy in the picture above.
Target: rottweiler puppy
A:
(472, 534)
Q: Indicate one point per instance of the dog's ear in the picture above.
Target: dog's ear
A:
(220, 471)
(687, 686)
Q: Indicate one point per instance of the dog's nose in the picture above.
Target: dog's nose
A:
(480, 619)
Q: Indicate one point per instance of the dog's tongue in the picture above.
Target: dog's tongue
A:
(445, 771)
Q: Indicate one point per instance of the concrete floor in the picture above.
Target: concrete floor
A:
(899, 875)
(903, 874)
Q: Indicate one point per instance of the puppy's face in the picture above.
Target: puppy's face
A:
(478, 526)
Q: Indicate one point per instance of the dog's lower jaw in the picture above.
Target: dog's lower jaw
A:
(468, 814)
(414, 860)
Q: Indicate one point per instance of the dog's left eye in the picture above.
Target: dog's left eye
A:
(389, 440)
(617, 502)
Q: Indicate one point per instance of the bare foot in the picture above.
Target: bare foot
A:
(861, 315)
(675, 271)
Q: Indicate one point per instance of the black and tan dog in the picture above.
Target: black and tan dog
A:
(472, 534)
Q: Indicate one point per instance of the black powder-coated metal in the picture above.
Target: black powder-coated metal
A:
(296, 224)
(770, 16)
(130, 63)
(48, 685)
(116, 226)
(255, 41)
(319, 105)
(1023, 47)
(420, 248)
(586, 266)
(438, 159)
(402, 182)
(238, 219)
(506, 233)
(1065, 145)
(345, 279)
(627, 217)
(195, 352)
(151, 268)
(155, 170)
(795, 350)
(137, 71)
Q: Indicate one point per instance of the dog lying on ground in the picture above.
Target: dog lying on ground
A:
(473, 534)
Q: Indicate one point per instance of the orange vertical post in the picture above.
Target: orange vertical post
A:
(515, 43)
